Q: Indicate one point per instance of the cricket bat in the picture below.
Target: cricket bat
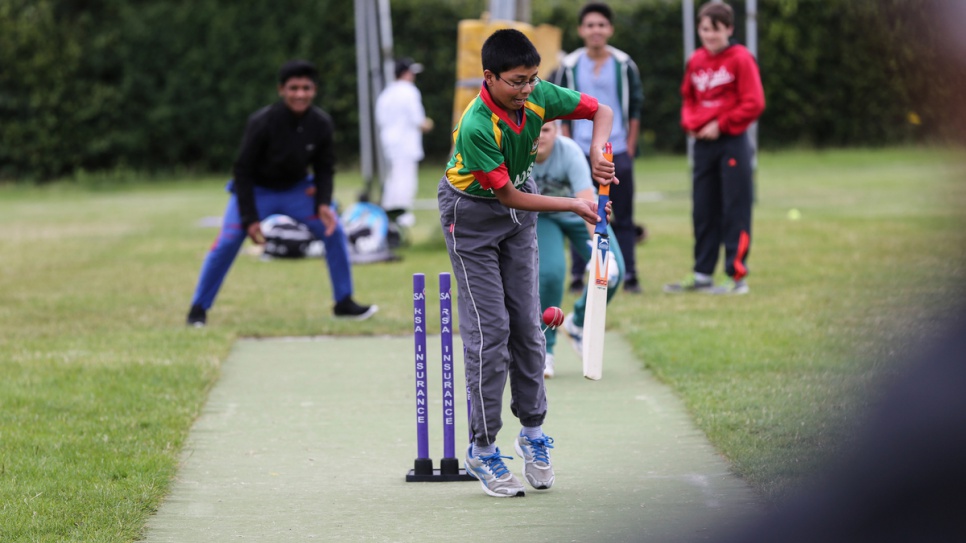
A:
(595, 316)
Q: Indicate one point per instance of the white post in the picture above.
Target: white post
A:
(504, 10)
(751, 29)
(524, 11)
(388, 75)
(374, 70)
(378, 81)
(385, 38)
(362, 83)
(687, 18)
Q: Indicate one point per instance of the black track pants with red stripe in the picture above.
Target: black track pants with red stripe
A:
(722, 194)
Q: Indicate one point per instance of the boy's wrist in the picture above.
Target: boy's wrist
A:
(573, 204)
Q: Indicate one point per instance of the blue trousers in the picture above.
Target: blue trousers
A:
(297, 202)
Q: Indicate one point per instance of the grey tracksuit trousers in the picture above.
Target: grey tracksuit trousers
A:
(493, 250)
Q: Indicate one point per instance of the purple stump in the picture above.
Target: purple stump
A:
(423, 464)
(449, 465)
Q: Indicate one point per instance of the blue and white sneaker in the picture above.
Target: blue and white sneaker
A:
(548, 366)
(576, 334)
(537, 467)
(494, 477)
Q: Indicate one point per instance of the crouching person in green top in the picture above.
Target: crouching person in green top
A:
(488, 208)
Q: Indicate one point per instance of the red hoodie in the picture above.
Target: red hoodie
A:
(725, 87)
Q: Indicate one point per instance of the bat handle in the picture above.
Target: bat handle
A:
(603, 196)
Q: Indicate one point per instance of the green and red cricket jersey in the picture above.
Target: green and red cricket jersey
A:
(493, 147)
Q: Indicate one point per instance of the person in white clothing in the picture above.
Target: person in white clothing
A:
(402, 120)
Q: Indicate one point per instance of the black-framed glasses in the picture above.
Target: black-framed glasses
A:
(520, 84)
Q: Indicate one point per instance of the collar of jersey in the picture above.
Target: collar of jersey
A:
(501, 113)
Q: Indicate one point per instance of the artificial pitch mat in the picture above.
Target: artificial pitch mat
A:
(311, 439)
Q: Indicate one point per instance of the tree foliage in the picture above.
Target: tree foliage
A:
(167, 84)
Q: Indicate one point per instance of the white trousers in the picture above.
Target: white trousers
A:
(399, 191)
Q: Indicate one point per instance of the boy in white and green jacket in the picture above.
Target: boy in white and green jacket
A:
(609, 75)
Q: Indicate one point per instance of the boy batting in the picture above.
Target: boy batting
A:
(487, 207)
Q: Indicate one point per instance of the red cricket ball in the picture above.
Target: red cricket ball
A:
(553, 316)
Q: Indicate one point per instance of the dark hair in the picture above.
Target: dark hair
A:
(297, 68)
(719, 13)
(407, 64)
(507, 49)
(595, 7)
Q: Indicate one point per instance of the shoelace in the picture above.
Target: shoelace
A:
(494, 463)
(539, 448)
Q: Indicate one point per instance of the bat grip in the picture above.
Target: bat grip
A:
(603, 196)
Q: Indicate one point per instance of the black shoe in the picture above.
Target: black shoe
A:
(197, 317)
(577, 285)
(348, 309)
(631, 285)
(640, 233)
(394, 237)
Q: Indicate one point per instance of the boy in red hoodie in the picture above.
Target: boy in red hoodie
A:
(722, 96)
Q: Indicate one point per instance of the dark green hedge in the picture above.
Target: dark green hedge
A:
(156, 84)
(835, 72)
(167, 84)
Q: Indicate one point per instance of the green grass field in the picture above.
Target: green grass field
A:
(100, 380)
